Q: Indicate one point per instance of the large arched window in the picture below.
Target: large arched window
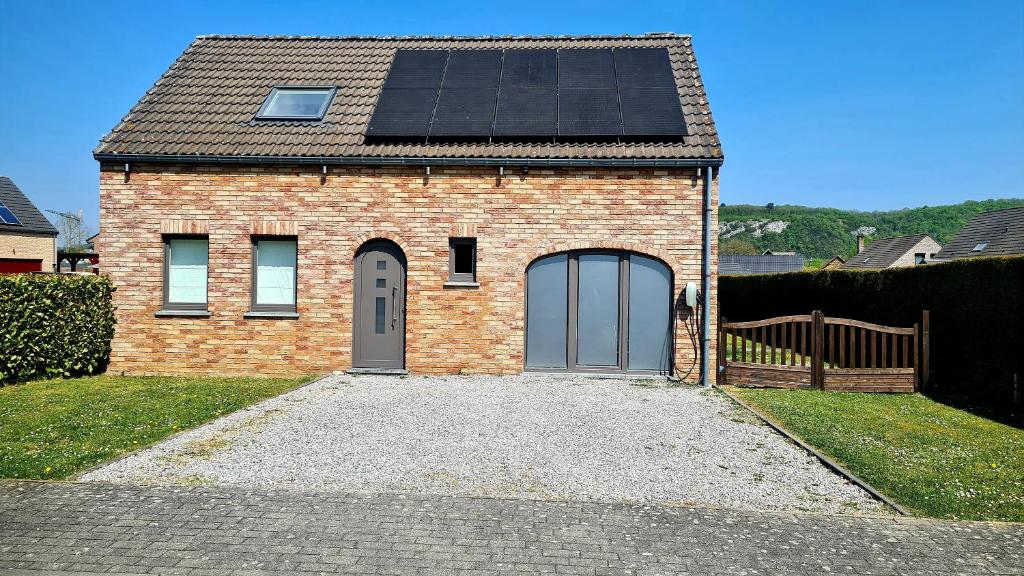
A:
(599, 311)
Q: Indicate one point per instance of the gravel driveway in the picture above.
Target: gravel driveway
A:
(538, 437)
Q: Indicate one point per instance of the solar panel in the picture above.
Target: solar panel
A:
(8, 217)
(525, 112)
(416, 69)
(643, 68)
(573, 94)
(529, 68)
(465, 106)
(407, 101)
(586, 69)
(403, 112)
(472, 69)
(651, 112)
(527, 98)
(588, 112)
(464, 112)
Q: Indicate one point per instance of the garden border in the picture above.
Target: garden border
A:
(835, 466)
(78, 477)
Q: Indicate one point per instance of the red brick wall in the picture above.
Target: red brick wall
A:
(657, 212)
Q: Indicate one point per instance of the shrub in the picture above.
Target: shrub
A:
(54, 326)
(976, 313)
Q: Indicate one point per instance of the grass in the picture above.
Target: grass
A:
(753, 348)
(54, 429)
(930, 458)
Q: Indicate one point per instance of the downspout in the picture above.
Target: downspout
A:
(705, 367)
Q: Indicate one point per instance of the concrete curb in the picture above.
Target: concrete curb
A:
(835, 466)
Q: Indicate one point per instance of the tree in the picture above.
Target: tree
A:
(73, 231)
(736, 247)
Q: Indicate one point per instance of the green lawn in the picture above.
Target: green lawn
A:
(930, 458)
(754, 348)
(56, 428)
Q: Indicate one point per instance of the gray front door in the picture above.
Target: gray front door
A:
(378, 339)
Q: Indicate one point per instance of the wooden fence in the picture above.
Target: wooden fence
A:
(815, 351)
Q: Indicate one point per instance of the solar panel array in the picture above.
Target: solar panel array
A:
(585, 95)
(8, 217)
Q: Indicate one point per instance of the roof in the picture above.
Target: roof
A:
(833, 262)
(760, 264)
(883, 252)
(1001, 230)
(32, 220)
(202, 109)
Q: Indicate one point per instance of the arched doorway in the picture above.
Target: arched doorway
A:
(599, 311)
(378, 327)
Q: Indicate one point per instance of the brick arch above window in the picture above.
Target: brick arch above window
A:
(365, 237)
(641, 249)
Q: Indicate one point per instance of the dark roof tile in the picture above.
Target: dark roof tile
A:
(1002, 232)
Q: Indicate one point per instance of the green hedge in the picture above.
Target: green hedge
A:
(54, 326)
(976, 313)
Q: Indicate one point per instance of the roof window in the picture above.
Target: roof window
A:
(979, 247)
(296, 103)
(8, 217)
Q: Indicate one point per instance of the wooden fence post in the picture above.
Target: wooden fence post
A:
(925, 345)
(917, 363)
(818, 350)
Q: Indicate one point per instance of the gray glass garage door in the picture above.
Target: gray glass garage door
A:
(599, 312)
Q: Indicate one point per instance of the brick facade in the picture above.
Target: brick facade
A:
(926, 246)
(449, 330)
(29, 247)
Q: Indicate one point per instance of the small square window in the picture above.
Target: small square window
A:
(382, 264)
(979, 247)
(382, 283)
(296, 103)
(462, 259)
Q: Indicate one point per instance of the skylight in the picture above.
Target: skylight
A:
(980, 247)
(8, 217)
(296, 103)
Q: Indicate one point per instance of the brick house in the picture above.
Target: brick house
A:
(28, 242)
(433, 205)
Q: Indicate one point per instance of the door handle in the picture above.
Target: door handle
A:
(394, 306)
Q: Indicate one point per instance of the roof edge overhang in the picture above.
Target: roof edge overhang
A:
(408, 160)
(17, 231)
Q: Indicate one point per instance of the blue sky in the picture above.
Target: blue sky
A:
(854, 104)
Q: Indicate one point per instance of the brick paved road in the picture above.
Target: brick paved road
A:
(202, 530)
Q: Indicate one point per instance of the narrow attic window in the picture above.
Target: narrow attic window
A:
(296, 103)
(980, 247)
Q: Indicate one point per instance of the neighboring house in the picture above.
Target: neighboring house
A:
(769, 252)
(760, 264)
(996, 233)
(834, 263)
(28, 242)
(436, 205)
(897, 252)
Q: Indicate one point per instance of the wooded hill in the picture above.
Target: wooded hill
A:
(827, 232)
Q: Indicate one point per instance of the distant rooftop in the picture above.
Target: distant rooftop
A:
(883, 252)
(995, 233)
(29, 218)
